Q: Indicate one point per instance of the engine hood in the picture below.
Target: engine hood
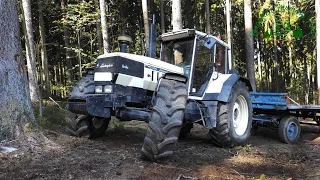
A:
(152, 63)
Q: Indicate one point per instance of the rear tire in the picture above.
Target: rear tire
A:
(234, 118)
(166, 120)
(289, 130)
(86, 126)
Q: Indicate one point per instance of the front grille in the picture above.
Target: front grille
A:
(77, 107)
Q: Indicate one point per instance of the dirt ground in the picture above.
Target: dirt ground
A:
(116, 155)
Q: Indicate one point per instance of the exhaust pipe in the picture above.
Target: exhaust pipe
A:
(152, 38)
(124, 40)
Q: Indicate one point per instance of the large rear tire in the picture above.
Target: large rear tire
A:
(86, 126)
(166, 120)
(234, 118)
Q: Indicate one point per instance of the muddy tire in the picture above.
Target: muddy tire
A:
(185, 130)
(289, 130)
(166, 120)
(86, 126)
(234, 118)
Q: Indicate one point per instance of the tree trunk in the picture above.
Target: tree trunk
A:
(79, 53)
(259, 65)
(104, 27)
(176, 15)
(98, 25)
(208, 25)
(44, 57)
(249, 43)
(66, 44)
(146, 23)
(162, 16)
(317, 4)
(306, 79)
(275, 51)
(31, 58)
(15, 104)
(229, 34)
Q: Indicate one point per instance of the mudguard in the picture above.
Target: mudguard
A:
(224, 94)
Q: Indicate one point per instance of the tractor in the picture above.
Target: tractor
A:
(193, 82)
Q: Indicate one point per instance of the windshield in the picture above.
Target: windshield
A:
(178, 51)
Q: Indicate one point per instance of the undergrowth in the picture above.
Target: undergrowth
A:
(52, 115)
(116, 124)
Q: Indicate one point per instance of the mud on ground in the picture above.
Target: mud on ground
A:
(116, 155)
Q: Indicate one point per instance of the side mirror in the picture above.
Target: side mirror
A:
(210, 42)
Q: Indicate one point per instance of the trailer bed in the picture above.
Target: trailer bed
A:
(281, 103)
(280, 110)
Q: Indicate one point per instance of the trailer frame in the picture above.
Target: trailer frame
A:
(280, 110)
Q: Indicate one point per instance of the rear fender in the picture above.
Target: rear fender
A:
(225, 92)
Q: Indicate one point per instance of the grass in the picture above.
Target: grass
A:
(52, 114)
(116, 124)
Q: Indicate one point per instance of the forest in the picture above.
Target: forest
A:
(67, 38)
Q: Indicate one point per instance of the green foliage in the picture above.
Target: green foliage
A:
(52, 115)
(262, 177)
(242, 149)
(116, 124)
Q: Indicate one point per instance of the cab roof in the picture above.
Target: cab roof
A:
(185, 33)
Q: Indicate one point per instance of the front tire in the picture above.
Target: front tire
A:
(86, 126)
(234, 118)
(166, 120)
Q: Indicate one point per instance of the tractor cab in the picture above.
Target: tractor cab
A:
(203, 57)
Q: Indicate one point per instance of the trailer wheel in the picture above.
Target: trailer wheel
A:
(85, 126)
(234, 118)
(289, 129)
(166, 120)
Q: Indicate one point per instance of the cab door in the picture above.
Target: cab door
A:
(209, 64)
(202, 69)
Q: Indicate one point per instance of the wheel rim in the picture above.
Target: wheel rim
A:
(292, 130)
(240, 115)
(97, 122)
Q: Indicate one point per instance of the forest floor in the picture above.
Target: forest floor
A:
(116, 155)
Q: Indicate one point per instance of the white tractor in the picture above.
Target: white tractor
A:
(192, 82)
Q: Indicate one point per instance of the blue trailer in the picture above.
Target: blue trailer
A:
(280, 110)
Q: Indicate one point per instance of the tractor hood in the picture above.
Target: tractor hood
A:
(132, 64)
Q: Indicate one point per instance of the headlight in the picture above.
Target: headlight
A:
(98, 89)
(107, 89)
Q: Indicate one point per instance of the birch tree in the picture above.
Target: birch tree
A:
(229, 34)
(249, 43)
(104, 26)
(31, 58)
(146, 23)
(176, 15)
(15, 104)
